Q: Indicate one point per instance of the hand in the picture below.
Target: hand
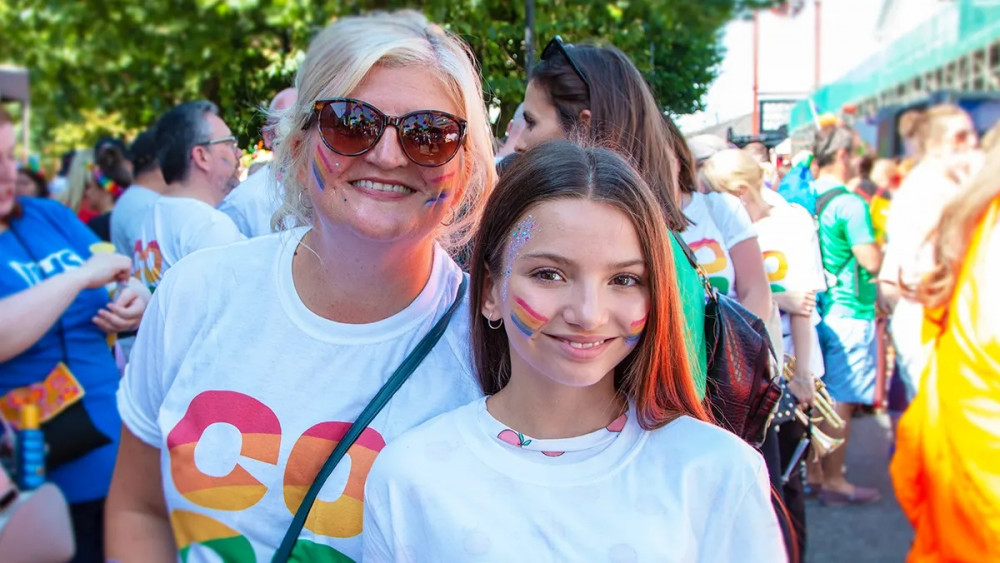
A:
(796, 302)
(124, 313)
(103, 268)
(803, 387)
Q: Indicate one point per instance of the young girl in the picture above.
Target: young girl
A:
(591, 442)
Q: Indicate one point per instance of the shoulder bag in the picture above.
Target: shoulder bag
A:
(390, 387)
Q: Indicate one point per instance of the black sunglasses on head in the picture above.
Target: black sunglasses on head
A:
(556, 45)
(351, 128)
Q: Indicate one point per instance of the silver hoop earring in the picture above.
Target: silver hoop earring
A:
(489, 323)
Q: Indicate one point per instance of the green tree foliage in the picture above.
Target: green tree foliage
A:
(112, 66)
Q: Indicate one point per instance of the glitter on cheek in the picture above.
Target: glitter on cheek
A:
(635, 331)
(518, 238)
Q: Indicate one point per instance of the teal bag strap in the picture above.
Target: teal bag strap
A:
(390, 387)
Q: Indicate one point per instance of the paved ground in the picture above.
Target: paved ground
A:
(861, 534)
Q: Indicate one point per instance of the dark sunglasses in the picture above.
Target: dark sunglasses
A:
(352, 127)
(556, 45)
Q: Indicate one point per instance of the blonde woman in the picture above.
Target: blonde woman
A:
(946, 468)
(279, 342)
(949, 147)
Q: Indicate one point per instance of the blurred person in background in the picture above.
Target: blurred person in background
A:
(948, 145)
(787, 237)
(31, 183)
(56, 315)
(111, 175)
(253, 203)
(886, 178)
(199, 158)
(147, 186)
(946, 468)
(514, 129)
(847, 333)
(77, 179)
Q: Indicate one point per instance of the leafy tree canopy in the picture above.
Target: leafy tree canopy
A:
(113, 66)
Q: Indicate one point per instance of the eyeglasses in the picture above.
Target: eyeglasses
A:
(556, 45)
(230, 139)
(352, 128)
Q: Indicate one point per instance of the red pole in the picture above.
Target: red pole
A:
(816, 81)
(756, 89)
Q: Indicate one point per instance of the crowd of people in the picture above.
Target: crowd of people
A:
(506, 338)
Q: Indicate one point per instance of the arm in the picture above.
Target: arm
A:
(802, 385)
(126, 311)
(32, 312)
(868, 256)
(136, 524)
(796, 302)
(752, 287)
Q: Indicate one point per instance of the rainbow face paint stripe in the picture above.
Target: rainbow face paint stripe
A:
(443, 178)
(525, 318)
(322, 157)
(318, 177)
(437, 199)
(635, 332)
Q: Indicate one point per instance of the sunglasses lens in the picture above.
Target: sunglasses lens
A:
(430, 139)
(349, 128)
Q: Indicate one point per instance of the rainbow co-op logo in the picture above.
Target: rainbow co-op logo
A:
(260, 431)
(713, 260)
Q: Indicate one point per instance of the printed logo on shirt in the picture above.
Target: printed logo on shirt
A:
(243, 487)
(56, 263)
(713, 260)
(776, 266)
(147, 263)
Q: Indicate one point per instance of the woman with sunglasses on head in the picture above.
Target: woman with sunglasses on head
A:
(384, 159)
(592, 443)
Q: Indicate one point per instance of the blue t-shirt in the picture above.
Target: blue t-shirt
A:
(56, 241)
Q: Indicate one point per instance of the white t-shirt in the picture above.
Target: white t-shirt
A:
(720, 223)
(128, 216)
(914, 213)
(245, 392)
(174, 228)
(252, 204)
(792, 261)
(464, 487)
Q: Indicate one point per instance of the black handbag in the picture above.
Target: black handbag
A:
(742, 380)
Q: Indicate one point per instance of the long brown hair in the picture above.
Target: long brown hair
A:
(656, 374)
(16, 210)
(954, 232)
(623, 114)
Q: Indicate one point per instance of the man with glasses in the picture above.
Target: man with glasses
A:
(851, 258)
(200, 161)
(252, 204)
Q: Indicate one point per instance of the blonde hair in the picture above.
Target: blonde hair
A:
(77, 179)
(338, 60)
(927, 125)
(730, 170)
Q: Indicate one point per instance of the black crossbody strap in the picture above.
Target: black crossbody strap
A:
(390, 387)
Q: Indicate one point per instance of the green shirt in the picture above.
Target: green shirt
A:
(693, 302)
(843, 224)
